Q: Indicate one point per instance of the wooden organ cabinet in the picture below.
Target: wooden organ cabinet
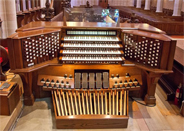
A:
(90, 69)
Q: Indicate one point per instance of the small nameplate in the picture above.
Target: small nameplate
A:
(31, 64)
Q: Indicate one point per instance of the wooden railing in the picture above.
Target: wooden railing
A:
(27, 11)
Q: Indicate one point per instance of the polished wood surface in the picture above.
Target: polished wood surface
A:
(179, 51)
(6, 91)
(21, 35)
(56, 24)
(9, 98)
(148, 34)
(40, 24)
(141, 27)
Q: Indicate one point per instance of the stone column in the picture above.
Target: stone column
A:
(138, 5)
(8, 16)
(147, 4)
(177, 7)
(159, 5)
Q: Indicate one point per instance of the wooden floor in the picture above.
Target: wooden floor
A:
(163, 117)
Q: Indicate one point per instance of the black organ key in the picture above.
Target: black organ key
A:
(98, 80)
(105, 80)
(77, 80)
(91, 80)
(85, 80)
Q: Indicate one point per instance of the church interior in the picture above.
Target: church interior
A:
(92, 65)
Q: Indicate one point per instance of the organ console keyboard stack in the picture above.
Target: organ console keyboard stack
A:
(90, 69)
(91, 47)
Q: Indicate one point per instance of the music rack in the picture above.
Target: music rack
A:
(87, 65)
(92, 32)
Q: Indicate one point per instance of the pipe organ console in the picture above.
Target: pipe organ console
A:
(90, 71)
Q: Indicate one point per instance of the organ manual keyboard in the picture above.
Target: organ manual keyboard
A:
(90, 69)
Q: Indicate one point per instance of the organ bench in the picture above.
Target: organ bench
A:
(90, 69)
